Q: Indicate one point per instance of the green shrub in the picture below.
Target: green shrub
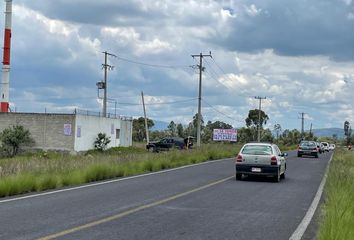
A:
(13, 138)
(101, 142)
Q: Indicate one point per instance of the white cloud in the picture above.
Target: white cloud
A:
(121, 34)
(129, 36)
(52, 26)
(252, 10)
(350, 16)
(347, 2)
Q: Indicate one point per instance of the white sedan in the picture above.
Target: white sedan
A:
(263, 159)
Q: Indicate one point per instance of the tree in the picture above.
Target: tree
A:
(267, 135)
(139, 128)
(172, 128)
(277, 129)
(244, 135)
(179, 130)
(290, 137)
(252, 121)
(253, 118)
(191, 129)
(13, 138)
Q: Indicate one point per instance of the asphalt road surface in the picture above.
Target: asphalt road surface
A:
(198, 202)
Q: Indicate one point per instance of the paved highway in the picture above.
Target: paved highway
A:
(197, 202)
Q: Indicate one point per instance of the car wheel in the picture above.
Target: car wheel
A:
(151, 149)
(316, 156)
(298, 155)
(238, 176)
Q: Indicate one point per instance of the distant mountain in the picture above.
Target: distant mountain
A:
(329, 132)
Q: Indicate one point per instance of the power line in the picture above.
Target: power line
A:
(151, 65)
(215, 78)
(161, 103)
(222, 70)
(225, 76)
(218, 111)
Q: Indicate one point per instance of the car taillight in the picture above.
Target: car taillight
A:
(273, 161)
(239, 158)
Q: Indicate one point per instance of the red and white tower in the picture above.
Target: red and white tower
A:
(6, 59)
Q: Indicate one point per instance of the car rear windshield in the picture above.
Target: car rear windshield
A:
(308, 144)
(257, 150)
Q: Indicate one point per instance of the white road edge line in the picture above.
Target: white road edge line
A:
(109, 181)
(301, 228)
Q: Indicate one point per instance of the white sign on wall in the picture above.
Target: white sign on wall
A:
(78, 131)
(112, 129)
(225, 135)
(67, 129)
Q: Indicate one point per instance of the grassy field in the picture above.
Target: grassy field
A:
(50, 170)
(338, 208)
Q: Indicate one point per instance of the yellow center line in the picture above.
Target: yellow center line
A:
(131, 211)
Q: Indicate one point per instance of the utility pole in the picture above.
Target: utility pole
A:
(106, 67)
(259, 117)
(310, 128)
(302, 124)
(199, 116)
(146, 123)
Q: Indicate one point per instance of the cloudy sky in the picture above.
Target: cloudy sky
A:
(299, 54)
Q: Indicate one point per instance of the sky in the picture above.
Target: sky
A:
(298, 54)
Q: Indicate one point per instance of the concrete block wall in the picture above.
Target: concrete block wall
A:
(50, 131)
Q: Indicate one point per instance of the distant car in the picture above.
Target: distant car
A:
(309, 148)
(319, 147)
(326, 146)
(331, 147)
(166, 144)
(263, 159)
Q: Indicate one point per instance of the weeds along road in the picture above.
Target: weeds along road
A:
(198, 202)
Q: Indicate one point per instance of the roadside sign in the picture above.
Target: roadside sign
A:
(225, 135)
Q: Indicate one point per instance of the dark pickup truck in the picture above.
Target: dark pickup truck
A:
(166, 144)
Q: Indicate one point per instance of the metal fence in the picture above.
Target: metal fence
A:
(81, 112)
(100, 114)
